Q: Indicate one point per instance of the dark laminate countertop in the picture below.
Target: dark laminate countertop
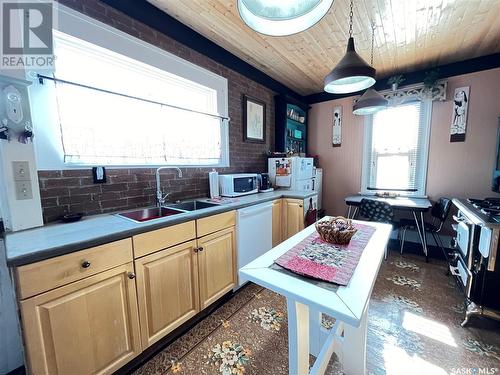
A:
(51, 240)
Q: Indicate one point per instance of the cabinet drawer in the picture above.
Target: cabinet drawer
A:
(147, 243)
(48, 274)
(214, 223)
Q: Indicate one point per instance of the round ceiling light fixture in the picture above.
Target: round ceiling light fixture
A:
(280, 17)
(352, 73)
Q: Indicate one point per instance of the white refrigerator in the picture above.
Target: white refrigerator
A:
(293, 173)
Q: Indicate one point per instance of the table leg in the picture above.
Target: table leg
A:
(424, 235)
(316, 337)
(421, 232)
(353, 347)
(298, 338)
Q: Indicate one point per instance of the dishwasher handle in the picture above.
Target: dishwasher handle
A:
(250, 211)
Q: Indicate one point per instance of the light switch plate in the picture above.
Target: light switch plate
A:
(23, 190)
(21, 170)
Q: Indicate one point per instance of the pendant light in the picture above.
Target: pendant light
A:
(371, 101)
(280, 17)
(352, 73)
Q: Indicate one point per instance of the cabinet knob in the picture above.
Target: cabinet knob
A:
(85, 264)
(131, 275)
(300, 205)
(200, 248)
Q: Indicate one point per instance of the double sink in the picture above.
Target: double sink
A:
(146, 214)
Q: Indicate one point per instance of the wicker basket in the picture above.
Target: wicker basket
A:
(337, 230)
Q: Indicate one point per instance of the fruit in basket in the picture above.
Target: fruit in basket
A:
(336, 230)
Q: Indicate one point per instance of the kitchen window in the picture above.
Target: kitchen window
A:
(99, 127)
(396, 150)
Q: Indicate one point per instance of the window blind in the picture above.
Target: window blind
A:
(397, 150)
(106, 129)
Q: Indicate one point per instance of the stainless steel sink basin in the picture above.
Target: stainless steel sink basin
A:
(147, 214)
(191, 206)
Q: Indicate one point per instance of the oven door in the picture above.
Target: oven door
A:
(244, 184)
(462, 273)
(463, 237)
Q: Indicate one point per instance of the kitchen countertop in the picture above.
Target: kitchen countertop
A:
(52, 240)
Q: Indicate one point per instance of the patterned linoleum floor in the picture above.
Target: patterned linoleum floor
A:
(414, 328)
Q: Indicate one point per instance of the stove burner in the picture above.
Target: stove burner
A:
(491, 203)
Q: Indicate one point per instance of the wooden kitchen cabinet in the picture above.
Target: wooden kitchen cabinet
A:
(293, 217)
(216, 265)
(90, 326)
(277, 222)
(167, 290)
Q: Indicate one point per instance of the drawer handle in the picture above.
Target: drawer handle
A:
(85, 264)
(131, 275)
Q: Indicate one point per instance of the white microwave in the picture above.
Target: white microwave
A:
(234, 185)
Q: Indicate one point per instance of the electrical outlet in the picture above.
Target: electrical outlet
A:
(21, 170)
(23, 190)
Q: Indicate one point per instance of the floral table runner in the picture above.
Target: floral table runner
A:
(321, 260)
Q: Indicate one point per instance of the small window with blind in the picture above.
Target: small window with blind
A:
(117, 111)
(396, 150)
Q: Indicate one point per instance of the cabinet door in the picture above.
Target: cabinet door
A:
(277, 222)
(217, 265)
(88, 327)
(167, 289)
(293, 217)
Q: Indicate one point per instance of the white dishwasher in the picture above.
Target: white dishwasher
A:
(254, 233)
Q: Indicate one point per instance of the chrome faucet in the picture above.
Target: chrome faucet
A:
(160, 198)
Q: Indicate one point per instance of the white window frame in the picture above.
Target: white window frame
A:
(426, 108)
(48, 145)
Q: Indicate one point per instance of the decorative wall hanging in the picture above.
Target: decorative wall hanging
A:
(337, 126)
(415, 92)
(254, 120)
(15, 113)
(459, 117)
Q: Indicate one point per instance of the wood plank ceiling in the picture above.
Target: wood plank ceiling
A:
(409, 35)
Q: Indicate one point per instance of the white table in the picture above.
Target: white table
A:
(306, 302)
(417, 206)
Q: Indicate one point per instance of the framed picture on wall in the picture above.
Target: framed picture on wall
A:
(337, 126)
(254, 120)
(459, 116)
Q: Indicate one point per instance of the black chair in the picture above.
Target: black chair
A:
(439, 213)
(379, 211)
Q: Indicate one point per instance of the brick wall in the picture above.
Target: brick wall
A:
(73, 190)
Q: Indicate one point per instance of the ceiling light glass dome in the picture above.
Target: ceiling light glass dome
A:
(282, 17)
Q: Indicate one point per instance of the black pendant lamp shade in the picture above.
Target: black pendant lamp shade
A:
(351, 74)
(369, 103)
